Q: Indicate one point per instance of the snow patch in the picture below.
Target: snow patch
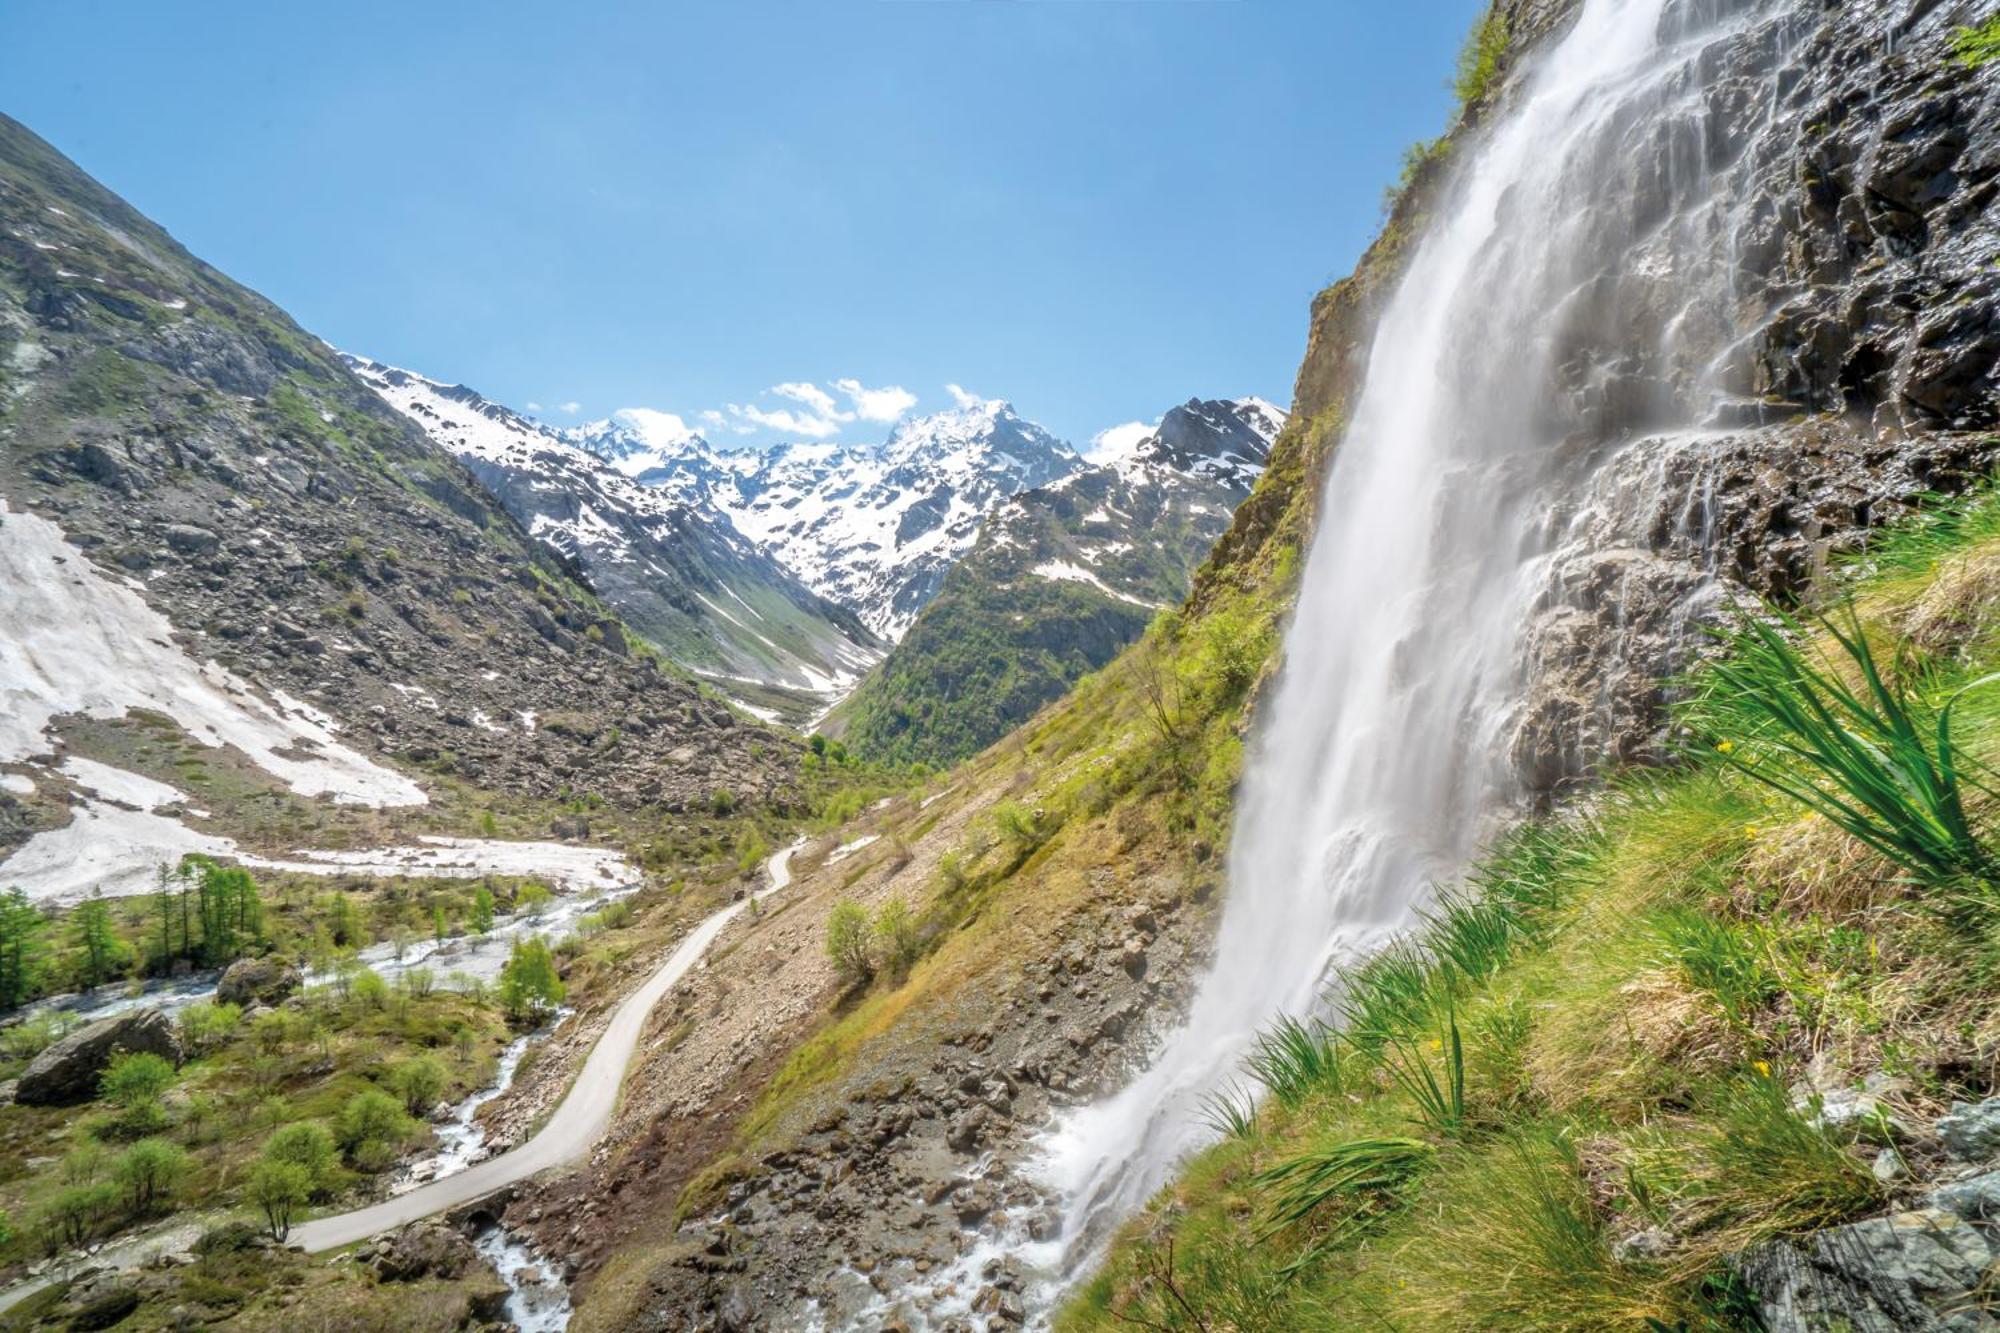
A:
(80, 642)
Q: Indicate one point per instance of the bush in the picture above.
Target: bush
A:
(896, 929)
(34, 1034)
(278, 1190)
(848, 941)
(372, 1128)
(532, 900)
(308, 1145)
(370, 991)
(148, 1171)
(136, 1081)
(1481, 58)
(206, 1025)
(529, 985)
(71, 1216)
(419, 1082)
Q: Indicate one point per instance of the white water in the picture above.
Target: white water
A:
(1575, 283)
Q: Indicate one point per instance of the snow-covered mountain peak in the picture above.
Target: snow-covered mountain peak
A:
(638, 440)
(1226, 440)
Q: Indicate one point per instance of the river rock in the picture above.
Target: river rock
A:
(421, 1250)
(257, 981)
(67, 1072)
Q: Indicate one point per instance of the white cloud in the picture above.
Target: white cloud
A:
(1118, 441)
(660, 430)
(818, 399)
(570, 408)
(962, 398)
(787, 421)
(884, 404)
(534, 407)
(716, 421)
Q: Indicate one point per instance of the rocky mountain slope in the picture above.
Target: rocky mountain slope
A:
(191, 441)
(1061, 578)
(677, 571)
(873, 528)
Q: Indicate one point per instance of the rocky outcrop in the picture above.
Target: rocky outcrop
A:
(250, 981)
(67, 1072)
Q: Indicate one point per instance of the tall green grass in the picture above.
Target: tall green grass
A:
(1877, 759)
(1358, 1177)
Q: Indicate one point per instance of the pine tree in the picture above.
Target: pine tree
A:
(94, 936)
(23, 948)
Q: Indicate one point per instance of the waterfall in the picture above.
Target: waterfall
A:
(1569, 317)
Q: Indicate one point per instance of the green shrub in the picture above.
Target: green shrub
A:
(896, 930)
(148, 1171)
(70, 1217)
(308, 1145)
(529, 985)
(1979, 46)
(1481, 59)
(848, 941)
(419, 1082)
(278, 1190)
(369, 990)
(206, 1025)
(136, 1080)
(372, 1128)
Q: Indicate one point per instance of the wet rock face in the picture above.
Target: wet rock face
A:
(1853, 371)
(67, 1072)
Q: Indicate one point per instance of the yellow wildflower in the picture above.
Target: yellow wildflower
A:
(1437, 1044)
(1749, 830)
(1763, 1067)
(1724, 747)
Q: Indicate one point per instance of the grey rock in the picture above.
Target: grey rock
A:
(188, 539)
(67, 1072)
(1971, 1133)
(257, 981)
(421, 1250)
(1899, 1274)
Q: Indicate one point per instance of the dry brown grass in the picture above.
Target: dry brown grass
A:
(1960, 606)
(1622, 1050)
(1816, 868)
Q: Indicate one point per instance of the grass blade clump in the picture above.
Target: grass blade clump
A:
(1875, 760)
(1296, 1059)
(1440, 1100)
(1768, 1167)
(1359, 1177)
(1231, 1112)
(1719, 958)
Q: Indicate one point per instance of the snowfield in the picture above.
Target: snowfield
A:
(78, 641)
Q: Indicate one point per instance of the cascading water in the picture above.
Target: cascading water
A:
(1576, 288)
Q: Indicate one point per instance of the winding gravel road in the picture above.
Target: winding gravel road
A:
(568, 1136)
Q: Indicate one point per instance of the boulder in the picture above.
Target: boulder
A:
(1913, 1270)
(257, 981)
(421, 1250)
(67, 1072)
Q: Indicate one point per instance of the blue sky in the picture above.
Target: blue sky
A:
(1094, 210)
